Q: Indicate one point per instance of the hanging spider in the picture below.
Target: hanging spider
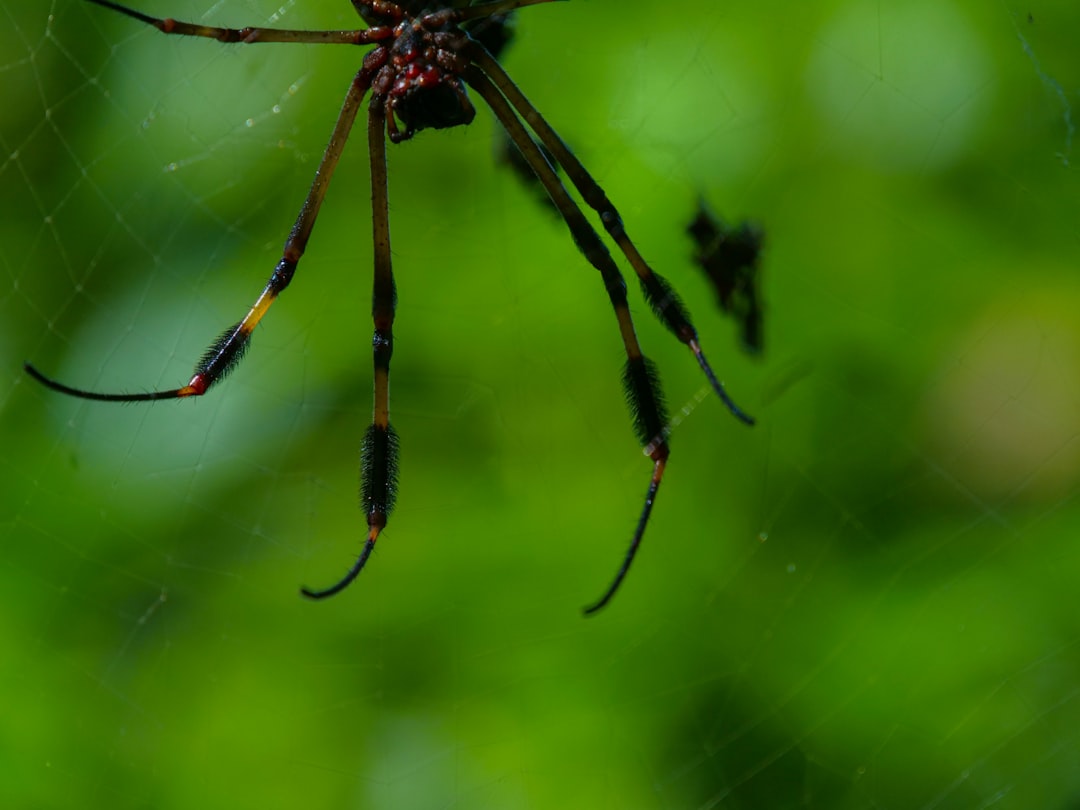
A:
(417, 72)
(730, 256)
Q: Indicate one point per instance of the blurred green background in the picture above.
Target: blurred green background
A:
(868, 600)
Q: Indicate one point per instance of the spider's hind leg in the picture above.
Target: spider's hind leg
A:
(657, 291)
(640, 379)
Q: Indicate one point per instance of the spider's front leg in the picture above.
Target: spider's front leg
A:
(379, 451)
(251, 34)
(226, 352)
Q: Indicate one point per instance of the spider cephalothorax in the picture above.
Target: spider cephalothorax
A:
(421, 61)
(422, 76)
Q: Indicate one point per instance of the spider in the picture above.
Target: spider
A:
(417, 73)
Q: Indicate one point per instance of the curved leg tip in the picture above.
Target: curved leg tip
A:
(346, 580)
(596, 607)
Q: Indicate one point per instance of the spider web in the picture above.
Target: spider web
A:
(866, 601)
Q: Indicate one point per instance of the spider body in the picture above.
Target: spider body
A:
(416, 73)
(422, 77)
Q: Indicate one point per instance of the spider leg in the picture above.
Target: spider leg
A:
(631, 552)
(640, 378)
(658, 292)
(251, 34)
(488, 9)
(225, 352)
(379, 451)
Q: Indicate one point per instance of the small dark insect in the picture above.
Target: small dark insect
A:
(730, 258)
(423, 58)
